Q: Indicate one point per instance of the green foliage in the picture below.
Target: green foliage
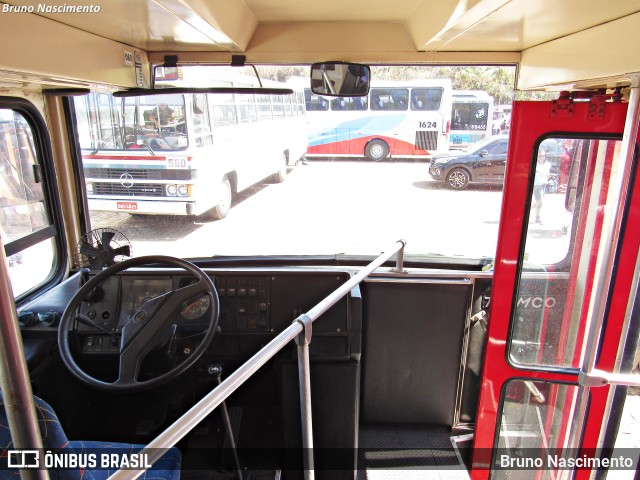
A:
(499, 82)
(282, 73)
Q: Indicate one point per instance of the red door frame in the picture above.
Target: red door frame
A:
(530, 121)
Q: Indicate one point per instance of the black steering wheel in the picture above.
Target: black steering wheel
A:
(142, 332)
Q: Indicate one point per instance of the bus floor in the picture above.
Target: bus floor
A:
(385, 452)
(408, 451)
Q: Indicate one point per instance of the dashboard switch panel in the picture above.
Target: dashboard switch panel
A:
(244, 303)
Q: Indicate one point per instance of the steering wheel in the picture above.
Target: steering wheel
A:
(144, 331)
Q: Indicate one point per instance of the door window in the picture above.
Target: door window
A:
(568, 198)
(533, 430)
(25, 223)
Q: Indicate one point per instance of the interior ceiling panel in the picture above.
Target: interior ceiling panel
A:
(432, 25)
(145, 24)
(516, 25)
(333, 10)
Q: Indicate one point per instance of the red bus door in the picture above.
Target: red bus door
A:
(565, 266)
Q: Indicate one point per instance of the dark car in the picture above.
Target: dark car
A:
(483, 162)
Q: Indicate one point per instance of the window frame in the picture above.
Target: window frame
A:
(44, 156)
(388, 92)
(425, 108)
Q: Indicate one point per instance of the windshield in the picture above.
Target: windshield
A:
(259, 174)
(470, 116)
(152, 123)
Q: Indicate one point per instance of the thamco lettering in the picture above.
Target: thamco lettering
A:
(536, 302)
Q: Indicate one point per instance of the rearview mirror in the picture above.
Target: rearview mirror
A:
(339, 79)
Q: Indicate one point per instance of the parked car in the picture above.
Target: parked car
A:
(483, 162)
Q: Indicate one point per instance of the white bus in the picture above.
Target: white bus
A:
(171, 154)
(501, 119)
(471, 117)
(396, 119)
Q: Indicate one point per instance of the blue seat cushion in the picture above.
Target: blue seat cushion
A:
(166, 468)
(55, 440)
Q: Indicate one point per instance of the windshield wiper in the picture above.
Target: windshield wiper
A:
(146, 144)
(103, 143)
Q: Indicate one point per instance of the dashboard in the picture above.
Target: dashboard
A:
(254, 307)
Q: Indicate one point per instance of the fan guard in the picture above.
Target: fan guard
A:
(101, 248)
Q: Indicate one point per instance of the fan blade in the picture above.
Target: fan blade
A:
(107, 262)
(125, 250)
(89, 250)
(107, 236)
(99, 263)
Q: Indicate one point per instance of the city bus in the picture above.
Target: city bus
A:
(396, 119)
(159, 154)
(471, 117)
(356, 321)
(501, 119)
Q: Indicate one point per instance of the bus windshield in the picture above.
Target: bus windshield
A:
(153, 123)
(207, 175)
(471, 115)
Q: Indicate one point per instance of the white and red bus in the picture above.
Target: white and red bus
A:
(170, 154)
(396, 119)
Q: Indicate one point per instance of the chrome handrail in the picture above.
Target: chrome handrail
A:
(14, 377)
(175, 432)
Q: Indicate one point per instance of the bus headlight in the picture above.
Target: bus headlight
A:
(183, 190)
(172, 190)
(89, 187)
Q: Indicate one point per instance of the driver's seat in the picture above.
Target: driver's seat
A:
(54, 440)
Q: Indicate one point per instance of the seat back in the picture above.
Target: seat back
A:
(54, 440)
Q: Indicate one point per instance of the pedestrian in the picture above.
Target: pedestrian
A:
(540, 181)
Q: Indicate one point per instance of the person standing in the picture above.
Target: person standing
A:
(540, 181)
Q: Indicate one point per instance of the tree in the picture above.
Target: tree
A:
(497, 81)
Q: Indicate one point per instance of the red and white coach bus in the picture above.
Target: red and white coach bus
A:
(396, 119)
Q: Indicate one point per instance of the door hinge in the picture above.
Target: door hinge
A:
(598, 99)
(598, 103)
(563, 106)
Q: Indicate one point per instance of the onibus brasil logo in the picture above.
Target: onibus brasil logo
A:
(48, 459)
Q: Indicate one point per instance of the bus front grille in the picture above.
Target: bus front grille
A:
(137, 189)
(427, 140)
(138, 173)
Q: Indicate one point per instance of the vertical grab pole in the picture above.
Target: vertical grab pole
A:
(14, 377)
(304, 379)
(399, 268)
